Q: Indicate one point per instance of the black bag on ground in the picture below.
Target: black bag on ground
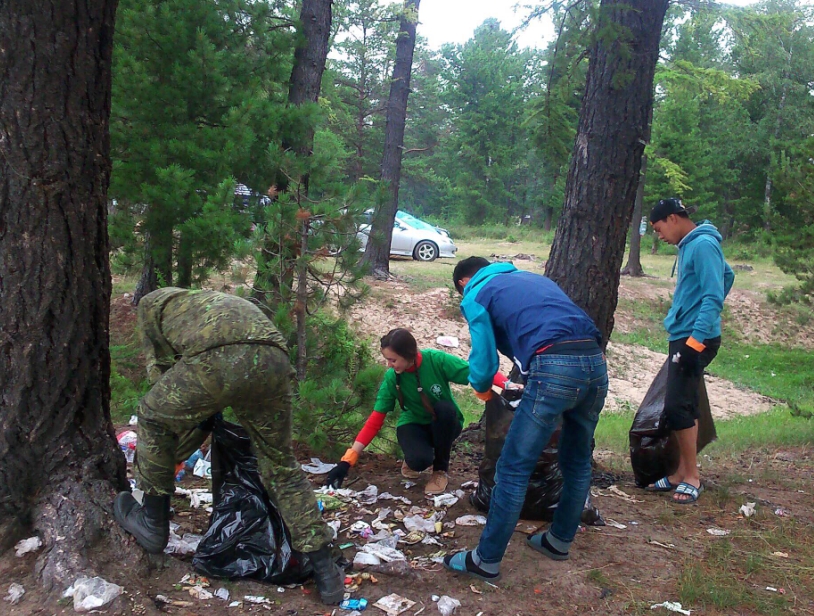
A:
(653, 447)
(545, 484)
(247, 536)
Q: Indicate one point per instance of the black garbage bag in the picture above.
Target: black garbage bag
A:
(247, 536)
(545, 484)
(653, 447)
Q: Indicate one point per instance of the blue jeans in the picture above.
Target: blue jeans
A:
(560, 388)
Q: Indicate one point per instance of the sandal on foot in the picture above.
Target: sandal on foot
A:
(462, 563)
(662, 485)
(688, 489)
(541, 544)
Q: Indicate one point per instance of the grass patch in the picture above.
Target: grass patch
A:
(776, 428)
(124, 392)
(733, 575)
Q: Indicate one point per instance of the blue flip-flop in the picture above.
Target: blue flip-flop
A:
(662, 485)
(690, 490)
(462, 563)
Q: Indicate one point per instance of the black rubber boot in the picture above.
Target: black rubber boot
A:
(328, 576)
(149, 522)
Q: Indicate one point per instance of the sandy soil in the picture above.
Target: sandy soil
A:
(434, 313)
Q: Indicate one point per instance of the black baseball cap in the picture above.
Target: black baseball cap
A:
(665, 207)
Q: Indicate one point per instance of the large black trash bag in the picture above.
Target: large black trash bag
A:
(545, 484)
(653, 447)
(247, 536)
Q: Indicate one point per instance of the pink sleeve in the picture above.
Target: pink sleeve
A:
(371, 428)
(500, 380)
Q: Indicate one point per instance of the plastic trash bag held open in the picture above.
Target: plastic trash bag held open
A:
(247, 536)
(545, 484)
(653, 447)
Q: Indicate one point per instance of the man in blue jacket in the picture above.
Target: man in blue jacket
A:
(557, 347)
(694, 332)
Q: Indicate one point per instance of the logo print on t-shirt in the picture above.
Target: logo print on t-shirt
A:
(436, 390)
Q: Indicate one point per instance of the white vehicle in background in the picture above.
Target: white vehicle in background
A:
(414, 238)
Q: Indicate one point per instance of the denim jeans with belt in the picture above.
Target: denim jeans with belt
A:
(560, 388)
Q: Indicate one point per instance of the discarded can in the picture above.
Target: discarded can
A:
(354, 604)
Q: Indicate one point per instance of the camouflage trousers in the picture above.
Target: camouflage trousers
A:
(255, 381)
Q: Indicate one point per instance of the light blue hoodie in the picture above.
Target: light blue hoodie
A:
(704, 281)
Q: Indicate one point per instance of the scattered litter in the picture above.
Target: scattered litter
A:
(197, 497)
(782, 512)
(397, 568)
(203, 469)
(394, 604)
(423, 607)
(718, 532)
(428, 540)
(447, 341)
(444, 500)
(669, 546)
(360, 527)
(623, 495)
(364, 559)
(475, 589)
(368, 496)
(378, 523)
(258, 599)
(413, 537)
(199, 592)
(471, 520)
(236, 604)
(15, 593)
(25, 546)
(748, 510)
(91, 593)
(408, 484)
(615, 524)
(222, 593)
(469, 485)
(448, 605)
(401, 499)
(357, 605)
(416, 522)
(133, 420)
(182, 546)
(317, 467)
(383, 552)
(193, 579)
(673, 606)
(127, 443)
(280, 589)
(780, 554)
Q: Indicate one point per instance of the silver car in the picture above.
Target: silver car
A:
(414, 238)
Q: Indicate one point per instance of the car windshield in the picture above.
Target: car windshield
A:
(414, 222)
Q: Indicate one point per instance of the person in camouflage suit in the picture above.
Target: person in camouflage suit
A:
(207, 351)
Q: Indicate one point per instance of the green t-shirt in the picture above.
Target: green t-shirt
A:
(436, 372)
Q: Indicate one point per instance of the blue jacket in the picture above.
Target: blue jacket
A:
(517, 313)
(704, 281)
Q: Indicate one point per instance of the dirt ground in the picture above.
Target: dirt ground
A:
(612, 570)
(435, 313)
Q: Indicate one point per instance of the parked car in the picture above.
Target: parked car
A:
(412, 237)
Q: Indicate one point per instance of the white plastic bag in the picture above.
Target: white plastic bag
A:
(91, 593)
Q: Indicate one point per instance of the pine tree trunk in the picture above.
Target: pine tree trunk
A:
(59, 462)
(184, 258)
(589, 244)
(148, 282)
(310, 58)
(377, 251)
(548, 218)
(634, 258)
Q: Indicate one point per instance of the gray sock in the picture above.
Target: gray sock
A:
(492, 568)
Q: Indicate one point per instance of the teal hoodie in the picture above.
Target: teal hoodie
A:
(704, 281)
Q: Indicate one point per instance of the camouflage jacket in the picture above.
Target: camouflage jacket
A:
(178, 323)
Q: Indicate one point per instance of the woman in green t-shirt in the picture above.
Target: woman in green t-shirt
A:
(430, 420)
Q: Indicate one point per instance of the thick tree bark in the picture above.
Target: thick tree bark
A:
(377, 251)
(59, 462)
(634, 258)
(148, 282)
(589, 244)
